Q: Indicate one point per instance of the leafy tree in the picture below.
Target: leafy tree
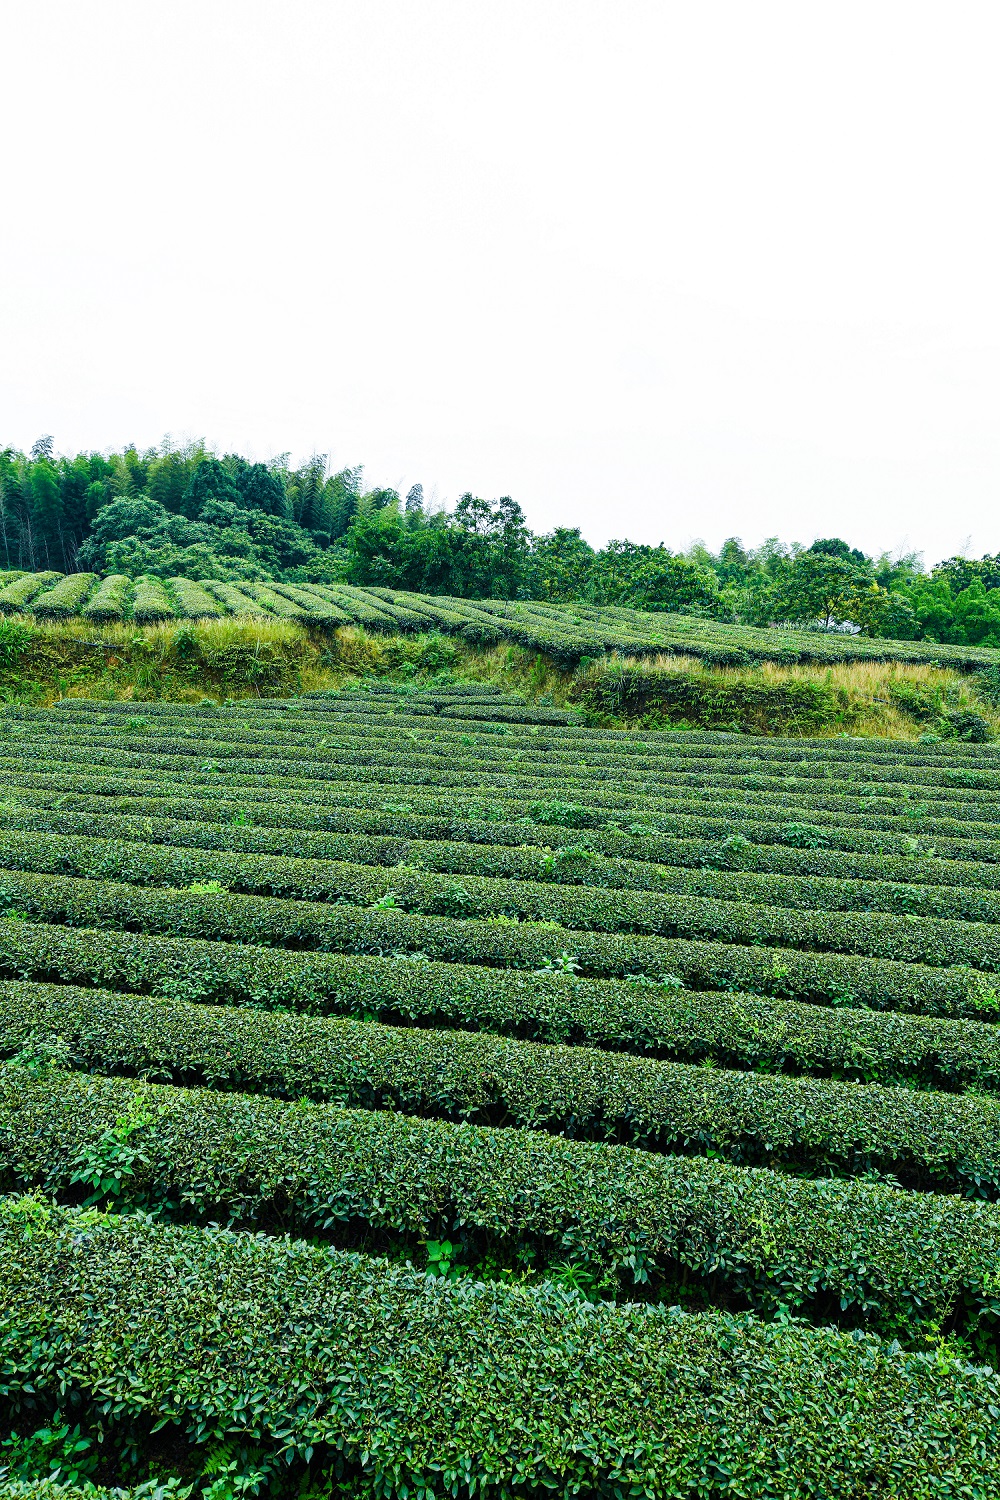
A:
(959, 572)
(209, 481)
(562, 565)
(976, 615)
(307, 495)
(817, 585)
(169, 477)
(261, 489)
(654, 578)
(834, 547)
(45, 499)
(343, 491)
(732, 563)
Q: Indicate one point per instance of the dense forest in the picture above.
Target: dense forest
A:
(183, 511)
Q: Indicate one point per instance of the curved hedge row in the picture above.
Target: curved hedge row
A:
(325, 1354)
(275, 603)
(549, 1006)
(621, 860)
(859, 1252)
(317, 611)
(16, 594)
(150, 601)
(248, 859)
(415, 753)
(237, 602)
(109, 601)
(65, 598)
(891, 969)
(192, 601)
(567, 633)
(971, 842)
(809, 1126)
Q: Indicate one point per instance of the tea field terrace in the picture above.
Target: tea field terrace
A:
(565, 633)
(499, 1104)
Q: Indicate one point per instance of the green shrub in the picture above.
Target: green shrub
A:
(622, 1397)
(109, 601)
(807, 1125)
(15, 638)
(861, 1253)
(66, 598)
(965, 724)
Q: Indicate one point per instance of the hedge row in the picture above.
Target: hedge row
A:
(567, 634)
(14, 596)
(343, 1359)
(807, 1125)
(63, 841)
(311, 740)
(514, 796)
(388, 703)
(150, 601)
(502, 820)
(274, 603)
(737, 645)
(621, 860)
(406, 610)
(54, 1489)
(912, 939)
(594, 789)
(744, 1031)
(858, 1252)
(192, 601)
(109, 601)
(399, 752)
(430, 612)
(419, 752)
(429, 727)
(361, 608)
(64, 598)
(905, 962)
(317, 610)
(237, 602)
(552, 1006)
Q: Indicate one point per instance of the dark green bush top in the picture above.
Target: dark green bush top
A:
(414, 1379)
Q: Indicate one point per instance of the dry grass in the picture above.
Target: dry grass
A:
(868, 692)
(259, 657)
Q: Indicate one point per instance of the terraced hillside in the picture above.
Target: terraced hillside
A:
(567, 633)
(421, 1094)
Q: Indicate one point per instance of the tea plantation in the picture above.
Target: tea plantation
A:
(566, 633)
(417, 1093)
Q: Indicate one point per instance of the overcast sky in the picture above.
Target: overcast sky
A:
(658, 270)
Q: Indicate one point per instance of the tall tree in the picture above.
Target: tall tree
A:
(262, 489)
(208, 482)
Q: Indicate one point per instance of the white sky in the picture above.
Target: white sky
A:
(660, 270)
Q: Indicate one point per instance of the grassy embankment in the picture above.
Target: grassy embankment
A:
(238, 658)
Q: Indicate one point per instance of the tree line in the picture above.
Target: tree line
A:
(182, 510)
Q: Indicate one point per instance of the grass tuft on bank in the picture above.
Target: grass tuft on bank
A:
(252, 657)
